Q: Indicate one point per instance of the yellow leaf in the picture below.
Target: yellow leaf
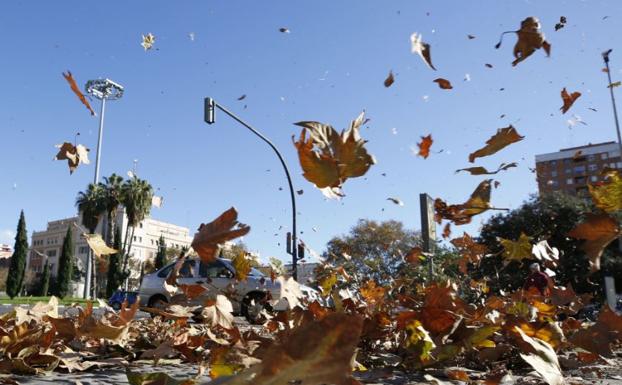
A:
(516, 250)
(327, 283)
(419, 339)
(598, 232)
(242, 265)
(97, 244)
(607, 196)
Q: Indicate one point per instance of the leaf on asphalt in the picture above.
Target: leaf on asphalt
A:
(530, 38)
(389, 80)
(420, 48)
(516, 250)
(443, 83)
(220, 364)
(568, 99)
(598, 231)
(97, 244)
(222, 229)
(503, 138)
(148, 41)
(543, 359)
(607, 195)
(156, 378)
(218, 312)
(328, 159)
(483, 171)
(424, 146)
(462, 213)
(73, 154)
(76, 90)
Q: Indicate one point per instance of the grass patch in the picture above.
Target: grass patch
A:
(34, 300)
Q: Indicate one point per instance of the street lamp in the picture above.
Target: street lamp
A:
(613, 99)
(102, 89)
(292, 245)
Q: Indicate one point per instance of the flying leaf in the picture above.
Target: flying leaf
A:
(530, 38)
(607, 195)
(148, 41)
(615, 84)
(471, 37)
(242, 97)
(561, 24)
(97, 244)
(462, 213)
(414, 256)
(290, 290)
(503, 138)
(210, 235)
(443, 83)
(284, 30)
(218, 312)
(397, 201)
(543, 359)
(420, 48)
(424, 146)
(389, 80)
(157, 201)
(327, 158)
(568, 99)
(598, 230)
(242, 264)
(479, 170)
(76, 90)
(73, 154)
(516, 250)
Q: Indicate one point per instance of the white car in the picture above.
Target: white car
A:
(248, 297)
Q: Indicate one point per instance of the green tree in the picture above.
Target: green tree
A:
(111, 200)
(115, 273)
(136, 197)
(45, 280)
(65, 266)
(549, 217)
(17, 267)
(91, 205)
(372, 249)
(160, 259)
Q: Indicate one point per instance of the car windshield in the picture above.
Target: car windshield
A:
(253, 272)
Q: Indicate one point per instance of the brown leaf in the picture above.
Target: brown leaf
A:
(447, 230)
(421, 48)
(530, 38)
(482, 171)
(568, 99)
(327, 158)
(443, 83)
(73, 154)
(414, 256)
(503, 138)
(389, 80)
(488, 65)
(424, 146)
(561, 24)
(462, 213)
(598, 230)
(219, 312)
(210, 235)
(76, 90)
(543, 359)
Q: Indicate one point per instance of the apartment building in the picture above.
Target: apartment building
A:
(47, 244)
(570, 169)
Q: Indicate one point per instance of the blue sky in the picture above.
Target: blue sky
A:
(329, 68)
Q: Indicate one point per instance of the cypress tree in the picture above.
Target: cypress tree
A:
(115, 275)
(15, 278)
(160, 259)
(65, 266)
(45, 280)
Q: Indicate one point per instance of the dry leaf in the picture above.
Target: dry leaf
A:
(598, 230)
(561, 24)
(503, 138)
(516, 250)
(397, 201)
(607, 195)
(471, 37)
(283, 30)
(97, 244)
(447, 230)
(242, 97)
(568, 99)
(157, 378)
(73, 154)
(543, 359)
(461, 214)
(415, 256)
(210, 235)
(615, 84)
(389, 80)
(242, 265)
(328, 159)
(420, 48)
(148, 41)
(530, 38)
(483, 171)
(76, 90)
(424, 146)
(443, 83)
(218, 312)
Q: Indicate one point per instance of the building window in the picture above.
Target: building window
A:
(592, 167)
(591, 157)
(140, 225)
(579, 180)
(619, 164)
(569, 181)
(614, 154)
(604, 155)
(51, 253)
(134, 238)
(612, 165)
(568, 171)
(554, 174)
(553, 163)
(579, 169)
(594, 178)
(555, 183)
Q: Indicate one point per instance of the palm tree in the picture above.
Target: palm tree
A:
(136, 197)
(90, 203)
(112, 187)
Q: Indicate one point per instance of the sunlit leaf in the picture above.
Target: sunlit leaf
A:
(543, 359)
(462, 213)
(568, 99)
(389, 80)
(607, 195)
(516, 250)
(73, 154)
(483, 171)
(503, 138)
(443, 83)
(97, 244)
(210, 235)
(424, 146)
(420, 48)
(530, 38)
(598, 230)
(148, 41)
(242, 264)
(76, 90)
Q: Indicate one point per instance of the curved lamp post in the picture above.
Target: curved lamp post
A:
(292, 245)
(102, 89)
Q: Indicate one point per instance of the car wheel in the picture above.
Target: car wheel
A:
(157, 302)
(253, 307)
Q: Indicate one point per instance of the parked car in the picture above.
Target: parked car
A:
(249, 297)
(119, 296)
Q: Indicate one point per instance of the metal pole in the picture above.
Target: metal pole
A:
(289, 182)
(89, 258)
(613, 100)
